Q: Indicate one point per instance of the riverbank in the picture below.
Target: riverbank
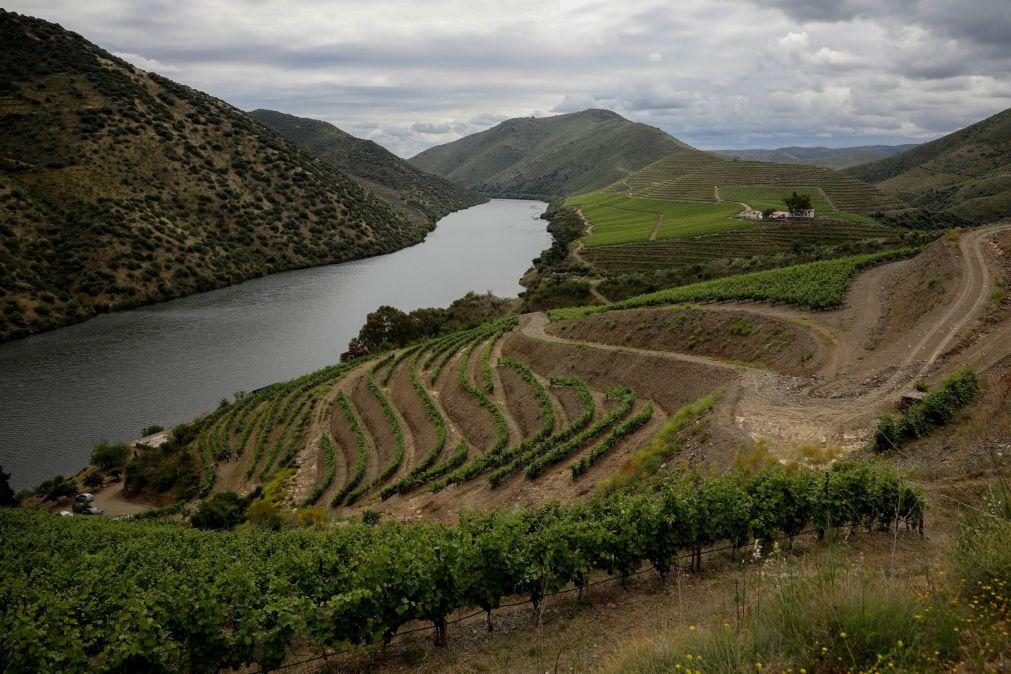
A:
(67, 389)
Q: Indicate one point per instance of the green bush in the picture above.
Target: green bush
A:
(225, 510)
(106, 455)
(936, 409)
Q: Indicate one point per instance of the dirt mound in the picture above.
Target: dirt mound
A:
(736, 336)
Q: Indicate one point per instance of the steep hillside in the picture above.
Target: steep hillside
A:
(967, 172)
(419, 195)
(122, 188)
(829, 157)
(550, 156)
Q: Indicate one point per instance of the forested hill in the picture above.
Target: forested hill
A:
(420, 195)
(120, 188)
(549, 156)
(967, 172)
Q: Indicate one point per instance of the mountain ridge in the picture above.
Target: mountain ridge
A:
(123, 188)
(420, 195)
(967, 172)
(833, 158)
(548, 157)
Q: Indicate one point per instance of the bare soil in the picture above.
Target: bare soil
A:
(668, 382)
(521, 402)
(731, 335)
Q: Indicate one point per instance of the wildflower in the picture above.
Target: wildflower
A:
(842, 635)
(899, 643)
(691, 628)
(758, 665)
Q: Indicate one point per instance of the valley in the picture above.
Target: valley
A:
(558, 392)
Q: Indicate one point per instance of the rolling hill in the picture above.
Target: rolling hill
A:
(833, 158)
(549, 156)
(122, 188)
(967, 172)
(701, 176)
(421, 196)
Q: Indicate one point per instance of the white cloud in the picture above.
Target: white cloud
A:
(715, 73)
(150, 65)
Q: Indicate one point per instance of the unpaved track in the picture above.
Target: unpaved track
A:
(794, 410)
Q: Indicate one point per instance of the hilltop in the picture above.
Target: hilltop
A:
(967, 172)
(121, 188)
(836, 158)
(549, 156)
(421, 196)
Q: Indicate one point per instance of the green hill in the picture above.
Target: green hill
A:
(122, 188)
(702, 176)
(834, 158)
(967, 172)
(419, 195)
(549, 156)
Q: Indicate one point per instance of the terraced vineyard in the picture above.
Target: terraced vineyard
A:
(679, 212)
(618, 219)
(415, 421)
(756, 240)
(693, 177)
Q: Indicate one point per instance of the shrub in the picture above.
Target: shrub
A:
(151, 430)
(107, 456)
(223, 511)
(936, 409)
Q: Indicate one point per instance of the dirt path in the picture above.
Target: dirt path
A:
(825, 410)
(656, 228)
(534, 326)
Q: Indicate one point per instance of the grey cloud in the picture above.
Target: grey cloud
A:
(732, 73)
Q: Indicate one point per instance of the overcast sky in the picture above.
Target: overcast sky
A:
(716, 74)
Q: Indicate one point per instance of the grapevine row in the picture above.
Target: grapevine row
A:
(190, 600)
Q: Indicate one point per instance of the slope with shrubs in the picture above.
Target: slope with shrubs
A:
(967, 172)
(121, 188)
(419, 195)
(549, 157)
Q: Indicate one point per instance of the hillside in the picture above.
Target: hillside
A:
(419, 195)
(836, 158)
(702, 176)
(123, 188)
(550, 156)
(967, 172)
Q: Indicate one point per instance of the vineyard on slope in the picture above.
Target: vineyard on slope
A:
(188, 600)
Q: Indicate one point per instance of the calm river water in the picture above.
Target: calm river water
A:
(63, 391)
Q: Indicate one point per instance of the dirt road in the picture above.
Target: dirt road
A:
(840, 405)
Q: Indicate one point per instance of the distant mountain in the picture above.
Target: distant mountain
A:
(967, 172)
(833, 158)
(420, 195)
(549, 156)
(120, 187)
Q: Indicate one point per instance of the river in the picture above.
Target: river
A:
(107, 378)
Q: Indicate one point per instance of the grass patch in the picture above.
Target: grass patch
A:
(647, 460)
(618, 219)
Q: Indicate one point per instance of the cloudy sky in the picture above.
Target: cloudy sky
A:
(714, 73)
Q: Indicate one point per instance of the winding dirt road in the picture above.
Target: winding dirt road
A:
(839, 406)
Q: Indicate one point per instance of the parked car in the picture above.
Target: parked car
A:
(92, 510)
(66, 513)
(84, 498)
